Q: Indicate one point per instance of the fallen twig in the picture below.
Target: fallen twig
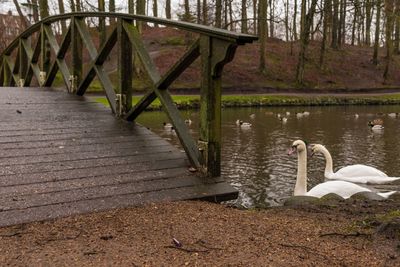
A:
(202, 243)
(188, 249)
(344, 235)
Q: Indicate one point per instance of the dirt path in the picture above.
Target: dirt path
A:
(346, 234)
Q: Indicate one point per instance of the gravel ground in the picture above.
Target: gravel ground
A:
(350, 233)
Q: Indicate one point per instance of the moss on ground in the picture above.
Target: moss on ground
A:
(193, 101)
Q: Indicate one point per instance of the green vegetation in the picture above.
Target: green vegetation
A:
(192, 101)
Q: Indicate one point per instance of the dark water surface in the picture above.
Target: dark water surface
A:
(255, 160)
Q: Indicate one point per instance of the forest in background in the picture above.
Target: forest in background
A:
(313, 31)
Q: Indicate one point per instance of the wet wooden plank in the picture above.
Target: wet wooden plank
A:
(61, 154)
(215, 192)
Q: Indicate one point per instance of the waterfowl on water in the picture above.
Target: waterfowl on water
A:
(342, 188)
(376, 124)
(283, 120)
(243, 124)
(168, 126)
(358, 173)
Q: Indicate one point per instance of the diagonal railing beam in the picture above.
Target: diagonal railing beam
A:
(14, 78)
(100, 59)
(62, 65)
(33, 55)
(176, 70)
(101, 74)
(60, 55)
(181, 129)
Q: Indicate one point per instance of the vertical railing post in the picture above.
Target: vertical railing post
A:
(125, 69)
(210, 111)
(45, 53)
(215, 53)
(2, 67)
(23, 62)
(76, 53)
(6, 72)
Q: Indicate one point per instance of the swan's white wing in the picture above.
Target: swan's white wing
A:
(341, 188)
(357, 171)
(368, 179)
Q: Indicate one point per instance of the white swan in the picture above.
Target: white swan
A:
(168, 126)
(341, 188)
(283, 120)
(354, 173)
(245, 125)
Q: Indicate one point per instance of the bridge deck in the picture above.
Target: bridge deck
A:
(61, 154)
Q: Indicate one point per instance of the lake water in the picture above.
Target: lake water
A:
(255, 160)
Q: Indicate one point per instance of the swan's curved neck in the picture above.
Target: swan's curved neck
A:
(329, 162)
(301, 181)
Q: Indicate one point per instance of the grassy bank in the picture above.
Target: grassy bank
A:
(187, 102)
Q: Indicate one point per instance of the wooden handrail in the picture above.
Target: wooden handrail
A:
(239, 38)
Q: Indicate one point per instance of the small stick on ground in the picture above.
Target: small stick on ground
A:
(356, 234)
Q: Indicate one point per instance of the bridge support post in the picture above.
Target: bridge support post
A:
(76, 53)
(23, 62)
(124, 69)
(215, 53)
(45, 48)
(6, 73)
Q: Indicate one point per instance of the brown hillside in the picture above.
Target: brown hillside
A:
(349, 67)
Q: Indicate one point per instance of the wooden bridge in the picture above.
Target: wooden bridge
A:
(62, 153)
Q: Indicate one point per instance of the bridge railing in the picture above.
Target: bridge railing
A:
(28, 57)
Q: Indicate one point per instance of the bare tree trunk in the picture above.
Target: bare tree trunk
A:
(62, 11)
(24, 21)
(368, 21)
(343, 23)
(305, 23)
(226, 12)
(294, 21)
(102, 22)
(244, 16)
(35, 10)
(389, 10)
(205, 12)
(44, 9)
(218, 13)
(263, 34)
(168, 9)
(340, 29)
(198, 11)
(231, 14)
(78, 5)
(354, 24)
(377, 31)
(271, 17)
(397, 30)
(72, 5)
(255, 17)
(324, 32)
(335, 24)
(155, 11)
(111, 7)
(286, 6)
(187, 11)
